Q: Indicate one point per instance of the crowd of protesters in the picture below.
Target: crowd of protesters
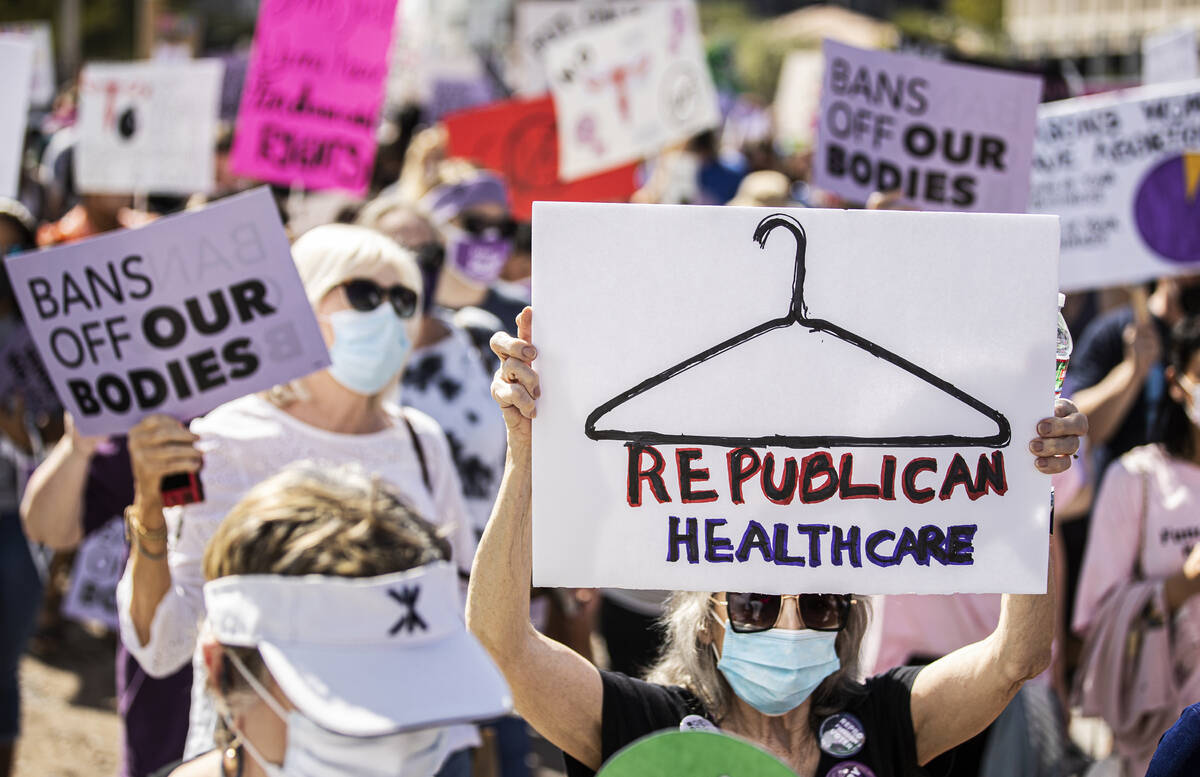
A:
(408, 460)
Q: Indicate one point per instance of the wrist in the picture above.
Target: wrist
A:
(148, 508)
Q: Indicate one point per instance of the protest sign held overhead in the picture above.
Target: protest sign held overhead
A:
(797, 97)
(626, 89)
(519, 140)
(541, 22)
(948, 137)
(311, 101)
(1170, 55)
(42, 85)
(1123, 172)
(175, 317)
(791, 401)
(148, 127)
(16, 62)
(95, 574)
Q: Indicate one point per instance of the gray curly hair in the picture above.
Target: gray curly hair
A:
(688, 658)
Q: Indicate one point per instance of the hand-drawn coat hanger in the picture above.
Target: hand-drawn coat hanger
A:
(798, 316)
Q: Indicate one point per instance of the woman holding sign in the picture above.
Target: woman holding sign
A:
(365, 291)
(776, 670)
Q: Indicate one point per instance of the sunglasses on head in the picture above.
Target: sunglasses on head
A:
(749, 613)
(364, 295)
(477, 225)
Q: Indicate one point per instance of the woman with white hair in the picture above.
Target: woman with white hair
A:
(777, 670)
(366, 292)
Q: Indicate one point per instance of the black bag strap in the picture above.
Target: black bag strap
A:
(416, 442)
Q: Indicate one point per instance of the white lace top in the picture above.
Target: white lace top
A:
(244, 442)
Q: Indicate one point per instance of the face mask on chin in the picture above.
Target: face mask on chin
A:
(775, 671)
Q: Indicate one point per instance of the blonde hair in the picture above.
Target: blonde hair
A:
(317, 519)
(688, 656)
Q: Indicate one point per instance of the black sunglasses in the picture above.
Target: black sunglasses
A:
(477, 225)
(750, 613)
(364, 295)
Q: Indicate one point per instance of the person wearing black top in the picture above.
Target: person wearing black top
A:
(777, 671)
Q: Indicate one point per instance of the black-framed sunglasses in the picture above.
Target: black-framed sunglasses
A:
(364, 295)
(477, 225)
(750, 613)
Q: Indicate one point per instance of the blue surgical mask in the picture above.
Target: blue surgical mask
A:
(368, 348)
(774, 671)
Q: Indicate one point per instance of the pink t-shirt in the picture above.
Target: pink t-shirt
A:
(1148, 509)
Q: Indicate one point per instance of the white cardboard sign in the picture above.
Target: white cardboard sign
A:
(16, 62)
(148, 126)
(751, 399)
(1170, 55)
(797, 97)
(626, 89)
(95, 574)
(42, 85)
(1123, 172)
(541, 22)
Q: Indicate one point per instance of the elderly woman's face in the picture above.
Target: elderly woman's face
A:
(789, 617)
(336, 300)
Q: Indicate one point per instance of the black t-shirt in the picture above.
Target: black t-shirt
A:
(875, 730)
(1100, 349)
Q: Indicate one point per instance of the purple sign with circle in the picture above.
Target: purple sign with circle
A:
(1167, 209)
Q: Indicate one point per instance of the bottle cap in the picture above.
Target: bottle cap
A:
(1062, 299)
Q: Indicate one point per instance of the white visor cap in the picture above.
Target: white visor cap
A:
(363, 656)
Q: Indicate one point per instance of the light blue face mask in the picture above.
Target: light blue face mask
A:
(774, 671)
(368, 348)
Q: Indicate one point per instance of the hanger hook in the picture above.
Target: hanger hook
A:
(799, 310)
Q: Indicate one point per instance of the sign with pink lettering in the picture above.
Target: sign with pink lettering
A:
(311, 102)
(175, 317)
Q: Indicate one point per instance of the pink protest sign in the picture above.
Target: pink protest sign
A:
(175, 317)
(311, 101)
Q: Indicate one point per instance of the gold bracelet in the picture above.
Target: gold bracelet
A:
(136, 534)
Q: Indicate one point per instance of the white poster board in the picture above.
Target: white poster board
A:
(626, 89)
(16, 63)
(43, 85)
(1123, 172)
(947, 136)
(541, 22)
(1170, 55)
(797, 97)
(148, 127)
(704, 427)
(95, 574)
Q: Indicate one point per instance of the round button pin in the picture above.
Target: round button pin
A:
(850, 769)
(842, 735)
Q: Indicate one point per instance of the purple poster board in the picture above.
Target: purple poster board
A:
(23, 374)
(311, 101)
(949, 137)
(176, 317)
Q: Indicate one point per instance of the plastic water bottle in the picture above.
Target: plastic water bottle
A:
(1062, 355)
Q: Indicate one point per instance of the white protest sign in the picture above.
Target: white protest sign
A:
(43, 85)
(843, 409)
(95, 574)
(1123, 172)
(798, 96)
(1170, 55)
(16, 62)
(174, 317)
(949, 137)
(148, 127)
(542, 22)
(628, 88)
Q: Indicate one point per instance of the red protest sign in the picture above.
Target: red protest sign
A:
(519, 140)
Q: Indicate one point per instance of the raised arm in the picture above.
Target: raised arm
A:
(52, 508)
(554, 688)
(960, 694)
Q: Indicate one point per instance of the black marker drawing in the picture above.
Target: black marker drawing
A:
(410, 621)
(798, 316)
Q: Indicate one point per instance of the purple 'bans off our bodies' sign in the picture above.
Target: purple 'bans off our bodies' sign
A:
(313, 93)
(175, 317)
(948, 137)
